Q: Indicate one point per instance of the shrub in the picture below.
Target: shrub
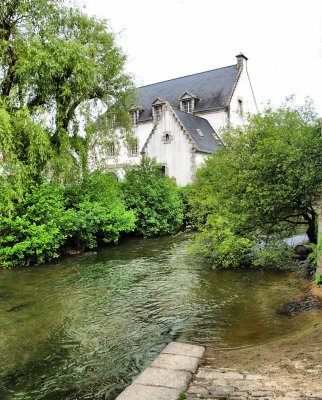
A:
(37, 228)
(154, 198)
(51, 218)
(224, 248)
(101, 213)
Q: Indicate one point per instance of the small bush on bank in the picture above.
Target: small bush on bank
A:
(101, 213)
(154, 198)
(37, 228)
(52, 218)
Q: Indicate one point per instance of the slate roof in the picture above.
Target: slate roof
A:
(213, 88)
(209, 142)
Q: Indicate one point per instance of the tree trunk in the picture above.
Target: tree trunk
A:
(311, 230)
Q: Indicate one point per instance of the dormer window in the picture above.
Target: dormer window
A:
(187, 105)
(157, 112)
(187, 102)
(135, 116)
(157, 108)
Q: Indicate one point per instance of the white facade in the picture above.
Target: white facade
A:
(169, 129)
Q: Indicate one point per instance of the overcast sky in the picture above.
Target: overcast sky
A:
(170, 38)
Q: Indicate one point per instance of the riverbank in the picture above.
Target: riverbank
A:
(286, 369)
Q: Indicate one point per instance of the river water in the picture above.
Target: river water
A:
(86, 325)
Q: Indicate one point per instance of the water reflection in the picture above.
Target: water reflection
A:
(87, 325)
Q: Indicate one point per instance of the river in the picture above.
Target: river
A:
(86, 325)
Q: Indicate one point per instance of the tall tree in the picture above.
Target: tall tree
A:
(57, 66)
(265, 182)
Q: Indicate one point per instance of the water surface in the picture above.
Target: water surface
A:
(87, 325)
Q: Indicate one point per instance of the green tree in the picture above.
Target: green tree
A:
(154, 198)
(57, 66)
(51, 219)
(263, 184)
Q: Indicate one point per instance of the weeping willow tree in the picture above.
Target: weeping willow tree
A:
(57, 66)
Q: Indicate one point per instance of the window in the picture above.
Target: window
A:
(187, 105)
(188, 102)
(240, 107)
(110, 150)
(157, 111)
(163, 170)
(134, 149)
(135, 116)
(167, 137)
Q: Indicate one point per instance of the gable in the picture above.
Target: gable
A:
(198, 130)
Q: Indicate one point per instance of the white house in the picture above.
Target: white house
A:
(177, 121)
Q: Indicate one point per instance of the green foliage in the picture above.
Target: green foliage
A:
(101, 213)
(264, 183)
(318, 279)
(218, 243)
(37, 228)
(154, 198)
(50, 219)
(25, 149)
(316, 251)
(274, 254)
(59, 69)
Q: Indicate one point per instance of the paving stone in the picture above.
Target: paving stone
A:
(206, 374)
(219, 391)
(177, 362)
(198, 390)
(293, 394)
(184, 349)
(164, 377)
(140, 392)
(240, 394)
(246, 385)
(254, 377)
(261, 393)
(229, 370)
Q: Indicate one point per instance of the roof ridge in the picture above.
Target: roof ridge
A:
(185, 76)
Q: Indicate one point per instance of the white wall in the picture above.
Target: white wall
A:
(217, 119)
(176, 155)
(243, 91)
(200, 159)
(99, 158)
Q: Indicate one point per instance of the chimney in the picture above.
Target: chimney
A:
(241, 60)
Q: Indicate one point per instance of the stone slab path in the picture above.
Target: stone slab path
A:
(168, 376)
(232, 384)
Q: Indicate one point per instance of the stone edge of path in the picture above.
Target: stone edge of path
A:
(168, 376)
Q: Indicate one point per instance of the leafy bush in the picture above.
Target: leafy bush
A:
(154, 198)
(37, 228)
(275, 254)
(101, 213)
(316, 250)
(51, 218)
(223, 247)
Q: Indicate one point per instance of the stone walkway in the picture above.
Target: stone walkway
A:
(282, 370)
(168, 376)
(231, 384)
